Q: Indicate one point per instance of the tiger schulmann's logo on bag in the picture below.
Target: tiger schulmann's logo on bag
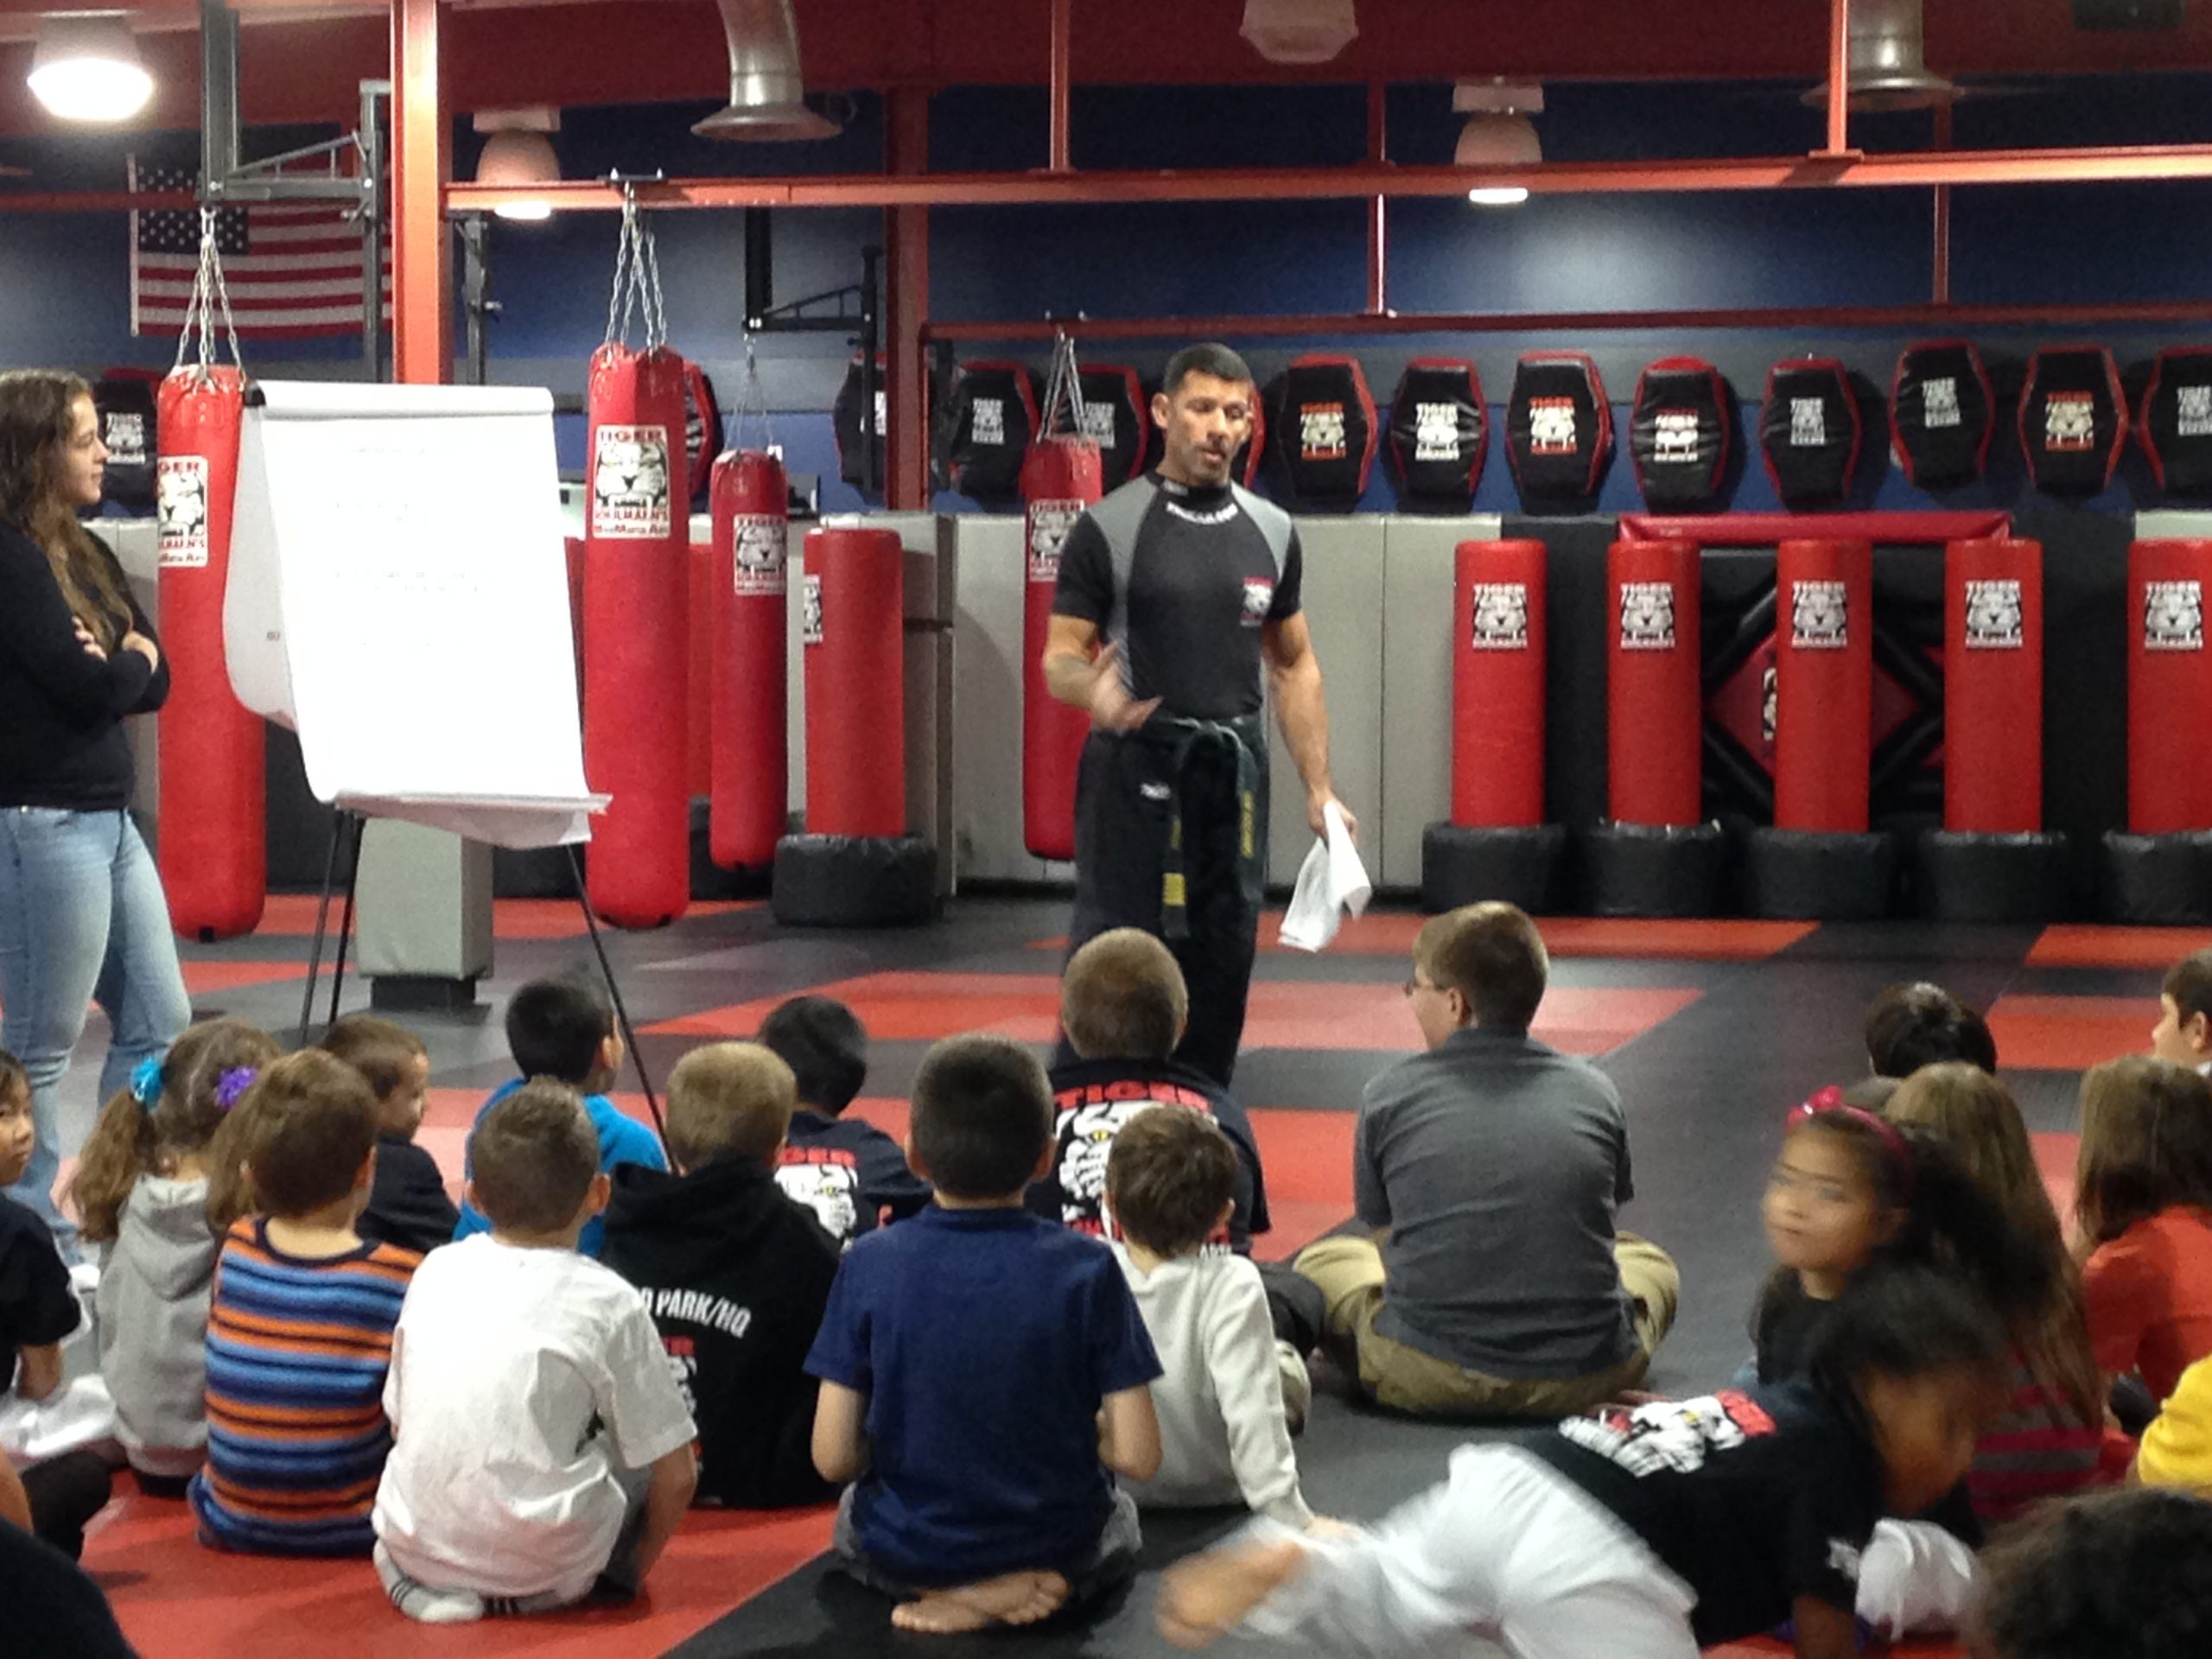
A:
(1647, 616)
(2070, 422)
(1321, 431)
(1049, 523)
(1436, 431)
(1994, 615)
(758, 564)
(181, 501)
(809, 610)
(2173, 616)
(1674, 438)
(124, 432)
(1551, 426)
(1939, 401)
(1501, 616)
(1809, 423)
(1819, 616)
(629, 483)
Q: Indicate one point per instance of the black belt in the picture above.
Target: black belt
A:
(1184, 740)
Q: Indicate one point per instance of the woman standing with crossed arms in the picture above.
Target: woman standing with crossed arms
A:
(82, 916)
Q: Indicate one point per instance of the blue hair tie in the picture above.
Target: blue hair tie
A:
(146, 1081)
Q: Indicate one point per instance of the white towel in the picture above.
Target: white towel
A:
(1332, 881)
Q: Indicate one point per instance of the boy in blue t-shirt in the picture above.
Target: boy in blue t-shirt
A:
(563, 1028)
(984, 1372)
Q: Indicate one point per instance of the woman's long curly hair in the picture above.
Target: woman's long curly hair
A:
(37, 409)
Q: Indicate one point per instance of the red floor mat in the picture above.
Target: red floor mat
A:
(293, 914)
(179, 1600)
(202, 977)
(2069, 1034)
(2084, 946)
(1391, 934)
(922, 1007)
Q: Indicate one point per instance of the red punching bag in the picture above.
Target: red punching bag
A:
(752, 508)
(2169, 685)
(1497, 686)
(637, 558)
(854, 635)
(213, 836)
(1653, 724)
(1824, 686)
(1992, 688)
(1060, 476)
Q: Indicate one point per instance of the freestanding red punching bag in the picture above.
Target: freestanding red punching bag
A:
(637, 561)
(1993, 687)
(1497, 685)
(1060, 476)
(752, 510)
(1824, 686)
(854, 635)
(1654, 716)
(2169, 685)
(213, 836)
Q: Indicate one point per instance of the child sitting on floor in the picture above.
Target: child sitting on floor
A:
(563, 1029)
(141, 1189)
(2048, 1441)
(299, 1332)
(847, 1173)
(1648, 1531)
(1912, 1025)
(2184, 1035)
(1225, 1434)
(1124, 1007)
(983, 1373)
(2143, 1203)
(2117, 1575)
(545, 1453)
(409, 1206)
(735, 1273)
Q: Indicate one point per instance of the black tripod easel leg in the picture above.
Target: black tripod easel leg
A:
(344, 825)
(615, 991)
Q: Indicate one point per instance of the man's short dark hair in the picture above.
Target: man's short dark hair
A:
(2124, 1574)
(1491, 954)
(533, 1157)
(1169, 1172)
(2189, 982)
(310, 1121)
(825, 1046)
(1122, 998)
(1208, 357)
(1912, 1025)
(556, 1026)
(982, 1113)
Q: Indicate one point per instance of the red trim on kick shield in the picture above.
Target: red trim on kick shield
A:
(1765, 529)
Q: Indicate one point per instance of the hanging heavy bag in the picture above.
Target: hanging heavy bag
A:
(1060, 477)
(212, 773)
(751, 706)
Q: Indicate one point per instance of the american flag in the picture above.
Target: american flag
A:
(293, 268)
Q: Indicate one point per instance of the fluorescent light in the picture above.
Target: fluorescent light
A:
(529, 212)
(88, 69)
(1499, 195)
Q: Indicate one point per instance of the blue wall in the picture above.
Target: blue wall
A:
(63, 283)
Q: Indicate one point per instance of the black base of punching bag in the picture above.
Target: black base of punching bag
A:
(1962, 877)
(2159, 879)
(1653, 869)
(1816, 875)
(1461, 866)
(533, 872)
(854, 881)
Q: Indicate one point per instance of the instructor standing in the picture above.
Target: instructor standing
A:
(1175, 592)
(82, 915)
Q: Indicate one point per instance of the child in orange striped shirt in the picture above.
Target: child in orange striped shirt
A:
(299, 1337)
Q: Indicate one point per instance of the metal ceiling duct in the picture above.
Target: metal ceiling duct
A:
(767, 94)
(1889, 61)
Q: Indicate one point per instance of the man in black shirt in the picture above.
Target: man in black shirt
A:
(1173, 592)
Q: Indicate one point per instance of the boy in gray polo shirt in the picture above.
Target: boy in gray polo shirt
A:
(1489, 1168)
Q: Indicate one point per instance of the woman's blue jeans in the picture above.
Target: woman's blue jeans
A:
(82, 920)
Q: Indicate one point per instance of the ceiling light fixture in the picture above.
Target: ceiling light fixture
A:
(1299, 31)
(518, 153)
(87, 68)
(1498, 134)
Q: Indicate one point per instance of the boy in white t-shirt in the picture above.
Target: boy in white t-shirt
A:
(543, 1451)
(1225, 1437)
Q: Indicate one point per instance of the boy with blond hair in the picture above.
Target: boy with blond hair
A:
(735, 1272)
(983, 1373)
(543, 1455)
(1124, 1008)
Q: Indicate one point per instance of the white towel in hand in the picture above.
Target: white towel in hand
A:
(1332, 881)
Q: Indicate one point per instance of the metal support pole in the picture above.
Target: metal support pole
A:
(870, 382)
(1061, 71)
(371, 135)
(1939, 283)
(218, 97)
(1838, 77)
(477, 303)
(1378, 253)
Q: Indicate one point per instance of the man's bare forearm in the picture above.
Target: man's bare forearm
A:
(1067, 676)
(1303, 715)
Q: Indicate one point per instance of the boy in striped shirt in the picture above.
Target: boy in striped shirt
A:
(299, 1334)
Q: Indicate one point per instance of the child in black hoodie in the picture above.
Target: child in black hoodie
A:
(736, 1274)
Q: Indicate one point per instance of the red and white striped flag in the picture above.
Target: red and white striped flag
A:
(293, 268)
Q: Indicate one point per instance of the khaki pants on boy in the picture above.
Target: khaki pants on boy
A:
(1348, 1272)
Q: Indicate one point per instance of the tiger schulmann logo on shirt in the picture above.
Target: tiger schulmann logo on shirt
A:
(1259, 600)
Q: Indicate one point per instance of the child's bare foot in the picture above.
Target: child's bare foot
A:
(1010, 1598)
(1209, 1595)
